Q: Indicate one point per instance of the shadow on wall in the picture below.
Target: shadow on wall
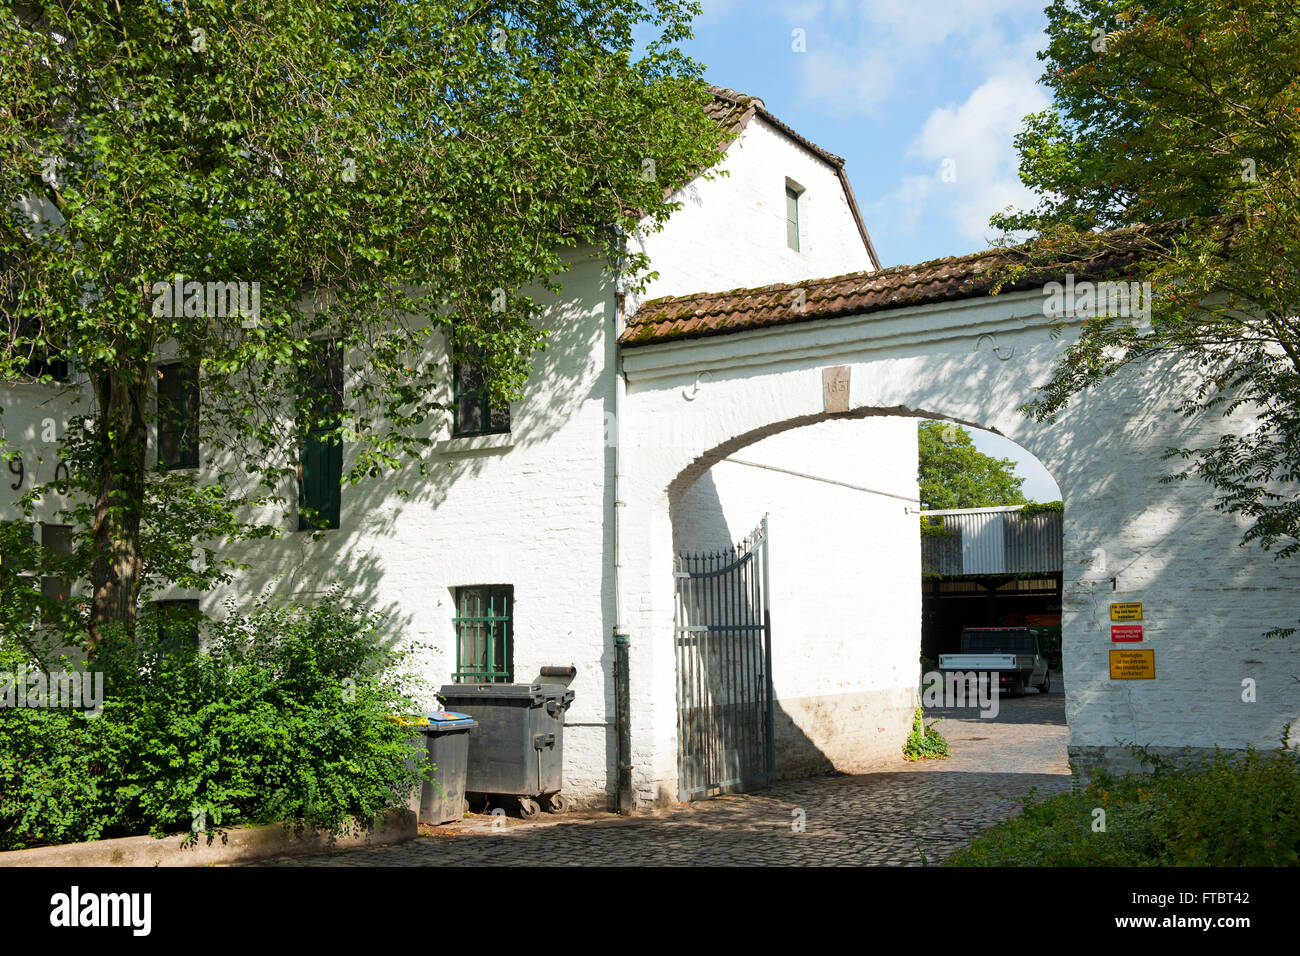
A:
(796, 754)
(378, 534)
(1129, 537)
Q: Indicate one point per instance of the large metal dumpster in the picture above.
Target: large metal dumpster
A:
(518, 747)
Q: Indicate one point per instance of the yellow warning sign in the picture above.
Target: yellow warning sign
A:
(1133, 665)
(1128, 611)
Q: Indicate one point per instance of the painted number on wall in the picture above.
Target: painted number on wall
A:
(17, 468)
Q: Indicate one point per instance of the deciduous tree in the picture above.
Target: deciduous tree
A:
(1175, 132)
(384, 172)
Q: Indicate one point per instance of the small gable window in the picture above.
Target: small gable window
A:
(793, 193)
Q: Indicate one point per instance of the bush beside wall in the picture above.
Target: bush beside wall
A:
(281, 717)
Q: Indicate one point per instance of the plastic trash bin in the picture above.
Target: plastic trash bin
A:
(518, 749)
(446, 740)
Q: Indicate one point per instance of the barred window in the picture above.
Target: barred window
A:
(178, 620)
(56, 538)
(484, 634)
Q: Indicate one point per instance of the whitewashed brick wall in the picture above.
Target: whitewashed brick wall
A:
(1207, 600)
(845, 580)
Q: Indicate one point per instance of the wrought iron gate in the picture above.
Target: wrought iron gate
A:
(724, 670)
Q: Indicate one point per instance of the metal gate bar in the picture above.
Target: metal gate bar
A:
(723, 637)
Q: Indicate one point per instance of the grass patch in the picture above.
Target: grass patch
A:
(924, 743)
(1237, 809)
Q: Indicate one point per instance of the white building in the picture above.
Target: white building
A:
(522, 515)
(648, 429)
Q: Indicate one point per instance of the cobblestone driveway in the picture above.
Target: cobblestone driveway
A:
(906, 814)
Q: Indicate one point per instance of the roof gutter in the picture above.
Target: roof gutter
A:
(857, 217)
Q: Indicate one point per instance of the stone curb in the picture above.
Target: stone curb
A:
(240, 844)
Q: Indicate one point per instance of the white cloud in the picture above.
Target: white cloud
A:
(860, 53)
(973, 143)
(889, 61)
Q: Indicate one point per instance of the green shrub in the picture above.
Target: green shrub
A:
(47, 791)
(280, 717)
(1240, 809)
(924, 742)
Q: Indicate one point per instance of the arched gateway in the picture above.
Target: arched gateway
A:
(711, 374)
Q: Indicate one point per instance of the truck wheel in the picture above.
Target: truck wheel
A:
(1018, 687)
(1046, 686)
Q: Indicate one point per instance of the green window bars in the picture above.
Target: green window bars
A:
(484, 635)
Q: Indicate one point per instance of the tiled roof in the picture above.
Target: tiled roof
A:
(733, 111)
(939, 280)
(728, 108)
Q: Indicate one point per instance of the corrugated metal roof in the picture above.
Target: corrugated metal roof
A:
(993, 541)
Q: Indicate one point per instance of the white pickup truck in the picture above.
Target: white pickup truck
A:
(1013, 653)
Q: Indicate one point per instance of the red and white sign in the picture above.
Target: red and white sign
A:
(1125, 633)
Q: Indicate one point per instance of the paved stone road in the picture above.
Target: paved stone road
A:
(908, 814)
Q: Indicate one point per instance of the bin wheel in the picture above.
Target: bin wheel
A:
(557, 803)
(528, 808)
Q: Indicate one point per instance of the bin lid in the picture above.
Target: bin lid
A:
(465, 693)
(447, 720)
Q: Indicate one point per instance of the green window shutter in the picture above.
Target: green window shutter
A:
(472, 411)
(178, 416)
(18, 560)
(320, 490)
(792, 218)
(320, 479)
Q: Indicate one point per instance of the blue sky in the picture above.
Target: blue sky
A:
(1039, 483)
(899, 88)
(896, 88)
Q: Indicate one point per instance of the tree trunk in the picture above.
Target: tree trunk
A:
(121, 439)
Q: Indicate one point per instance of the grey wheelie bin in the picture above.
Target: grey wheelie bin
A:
(518, 748)
(446, 738)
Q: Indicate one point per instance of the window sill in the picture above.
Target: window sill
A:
(476, 444)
